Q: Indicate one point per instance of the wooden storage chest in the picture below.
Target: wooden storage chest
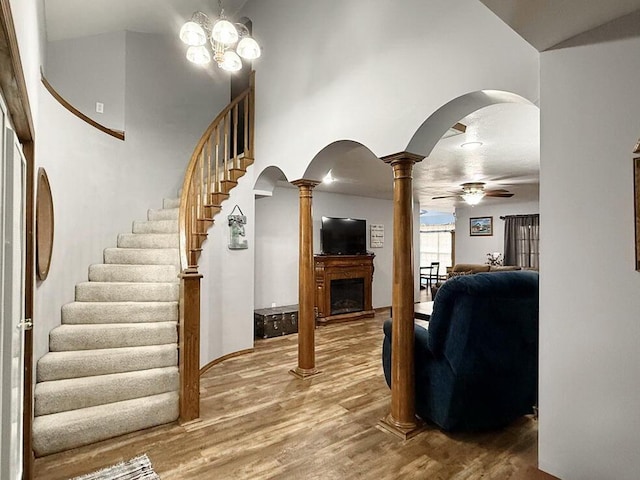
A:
(276, 321)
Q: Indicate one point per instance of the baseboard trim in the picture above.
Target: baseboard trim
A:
(221, 359)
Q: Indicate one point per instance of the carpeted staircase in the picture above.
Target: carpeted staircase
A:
(112, 366)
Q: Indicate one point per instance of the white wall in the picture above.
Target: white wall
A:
(28, 19)
(314, 88)
(89, 70)
(589, 302)
(276, 266)
(100, 184)
(227, 288)
(474, 249)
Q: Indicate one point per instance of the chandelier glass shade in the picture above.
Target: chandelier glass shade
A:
(231, 61)
(248, 48)
(224, 32)
(193, 34)
(229, 41)
(198, 55)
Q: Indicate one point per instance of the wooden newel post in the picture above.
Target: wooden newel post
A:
(306, 290)
(402, 420)
(189, 346)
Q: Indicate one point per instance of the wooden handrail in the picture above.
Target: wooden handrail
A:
(119, 134)
(213, 170)
(213, 162)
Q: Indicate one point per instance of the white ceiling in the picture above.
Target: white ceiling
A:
(546, 23)
(508, 158)
(81, 18)
(543, 23)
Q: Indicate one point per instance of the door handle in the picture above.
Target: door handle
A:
(26, 325)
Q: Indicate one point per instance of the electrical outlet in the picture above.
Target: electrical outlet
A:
(273, 304)
(99, 107)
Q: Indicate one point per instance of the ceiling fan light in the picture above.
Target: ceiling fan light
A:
(231, 62)
(193, 34)
(473, 198)
(198, 55)
(248, 48)
(224, 32)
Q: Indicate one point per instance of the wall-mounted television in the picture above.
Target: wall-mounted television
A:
(343, 236)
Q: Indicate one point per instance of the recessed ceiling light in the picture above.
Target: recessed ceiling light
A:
(471, 145)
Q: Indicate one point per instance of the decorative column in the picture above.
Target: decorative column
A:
(402, 421)
(306, 285)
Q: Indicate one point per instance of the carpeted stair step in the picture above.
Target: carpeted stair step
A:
(133, 273)
(74, 393)
(66, 430)
(86, 363)
(160, 226)
(127, 292)
(148, 240)
(170, 203)
(119, 312)
(142, 256)
(111, 335)
(163, 214)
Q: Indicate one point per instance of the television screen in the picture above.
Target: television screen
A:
(343, 236)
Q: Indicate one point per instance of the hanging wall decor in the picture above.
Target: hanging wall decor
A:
(237, 240)
(377, 235)
(44, 225)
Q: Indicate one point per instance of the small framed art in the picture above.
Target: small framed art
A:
(481, 226)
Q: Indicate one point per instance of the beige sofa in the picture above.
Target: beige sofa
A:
(470, 268)
(478, 268)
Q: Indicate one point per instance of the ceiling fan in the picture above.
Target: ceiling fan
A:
(473, 192)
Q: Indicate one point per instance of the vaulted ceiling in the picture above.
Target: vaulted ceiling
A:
(509, 156)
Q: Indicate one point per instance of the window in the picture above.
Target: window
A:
(436, 245)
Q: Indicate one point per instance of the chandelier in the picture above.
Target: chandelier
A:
(229, 41)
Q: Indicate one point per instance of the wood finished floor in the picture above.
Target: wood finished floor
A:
(259, 422)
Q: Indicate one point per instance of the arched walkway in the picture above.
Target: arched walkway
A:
(435, 126)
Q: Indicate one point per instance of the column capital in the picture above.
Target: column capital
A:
(305, 182)
(402, 157)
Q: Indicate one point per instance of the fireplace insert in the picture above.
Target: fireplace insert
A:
(347, 295)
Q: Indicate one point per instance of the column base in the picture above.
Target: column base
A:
(403, 431)
(304, 373)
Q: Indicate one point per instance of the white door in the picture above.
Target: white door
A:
(12, 322)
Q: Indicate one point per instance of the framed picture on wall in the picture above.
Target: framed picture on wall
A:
(481, 226)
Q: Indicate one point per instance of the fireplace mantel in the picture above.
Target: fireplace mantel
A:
(342, 267)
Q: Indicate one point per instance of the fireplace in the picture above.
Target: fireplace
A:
(343, 287)
(347, 295)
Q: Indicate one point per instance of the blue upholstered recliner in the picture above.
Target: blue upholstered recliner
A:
(476, 367)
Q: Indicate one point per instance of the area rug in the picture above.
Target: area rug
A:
(138, 468)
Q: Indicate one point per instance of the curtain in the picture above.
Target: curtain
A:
(522, 240)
